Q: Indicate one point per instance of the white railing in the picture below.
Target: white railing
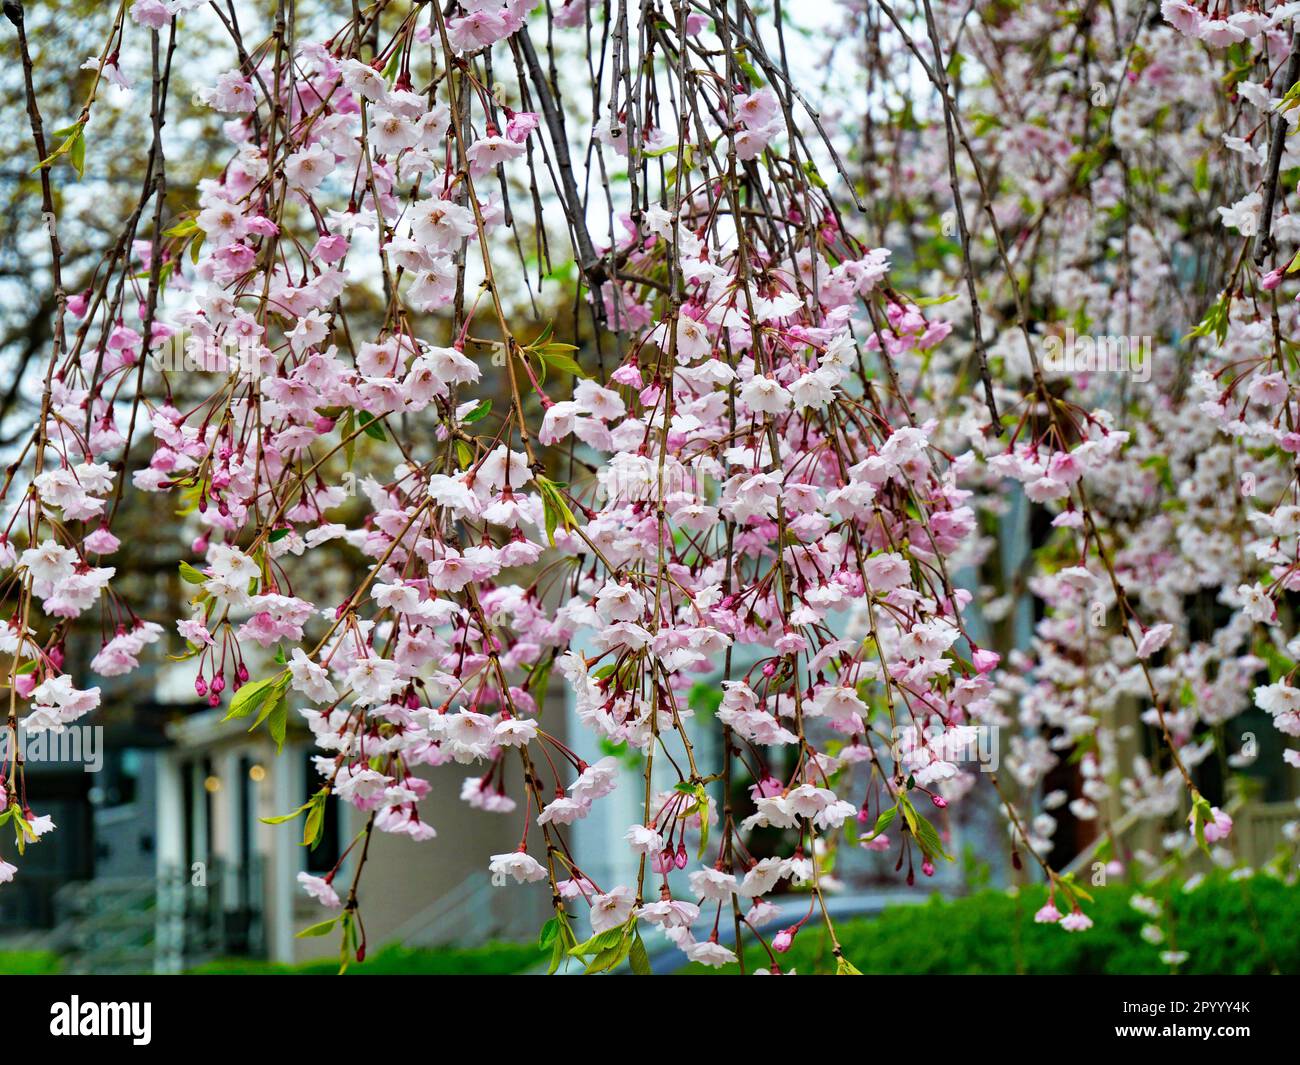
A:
(470, 914)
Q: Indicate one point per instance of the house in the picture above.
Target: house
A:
(231, 880)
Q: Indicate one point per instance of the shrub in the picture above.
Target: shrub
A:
(493, 959)
(29, 963)
(1226, 926)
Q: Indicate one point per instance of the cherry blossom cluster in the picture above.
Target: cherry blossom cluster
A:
(420, 520)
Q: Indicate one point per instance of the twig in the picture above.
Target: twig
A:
(1264, 238)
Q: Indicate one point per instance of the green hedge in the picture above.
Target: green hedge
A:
(494, 959)
(29, 962)
(1225, 926)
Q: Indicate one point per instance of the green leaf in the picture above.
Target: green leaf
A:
(885, 819)
(190, 500)
(1071, 885)
(555, 510)
(814, 175)
(925, 833)
(322, 929)
(660, 152)
(557, 936)
(608, 959)
(844, 967)
(370, 426)
(701, 807)
(250, 697)
(192, 575)
(23, 833)
(345, 433)
(559, 359)
(549, 934)
(266, 699)
(268, 704)
(345, 940)
(611, 948)
(1202, 815)
(478, 413)
(77, 153)
(279, 534)
(314, 825)
(1201, 175)
(282, 819)
(278, 723)
(1215, 322)
(599, 942)
(71, 135)
(637, 957)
